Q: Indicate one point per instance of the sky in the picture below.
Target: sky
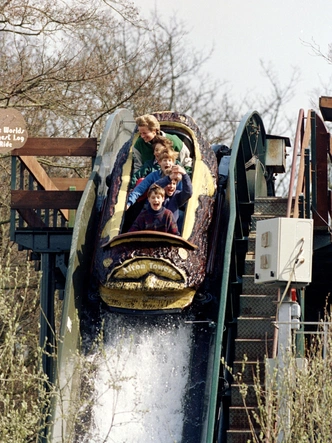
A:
(245, 32)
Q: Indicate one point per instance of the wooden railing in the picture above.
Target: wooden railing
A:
(40, 200)
(312, 150)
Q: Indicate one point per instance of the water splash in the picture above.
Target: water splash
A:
(140, 383)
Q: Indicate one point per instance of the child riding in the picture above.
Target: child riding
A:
(155, 217)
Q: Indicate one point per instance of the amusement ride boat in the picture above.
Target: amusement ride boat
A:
(151, 271)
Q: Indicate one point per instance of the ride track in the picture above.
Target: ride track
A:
(212, 318)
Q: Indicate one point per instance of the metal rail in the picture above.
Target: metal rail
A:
(251, 128)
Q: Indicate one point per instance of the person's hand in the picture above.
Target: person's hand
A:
(175, 176)
(178, 169)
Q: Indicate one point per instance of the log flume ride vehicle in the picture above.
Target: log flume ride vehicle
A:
(151, 271)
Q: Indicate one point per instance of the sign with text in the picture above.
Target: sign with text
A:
(13, 132)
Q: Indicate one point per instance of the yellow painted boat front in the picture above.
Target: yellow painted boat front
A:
(147, 301)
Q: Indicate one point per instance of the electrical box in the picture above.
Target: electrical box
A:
(283, 251)
(275, 155)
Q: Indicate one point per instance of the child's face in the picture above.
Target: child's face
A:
(166, 164)
(146, 134)
(156, 200)
(157, 149)
(170, 188)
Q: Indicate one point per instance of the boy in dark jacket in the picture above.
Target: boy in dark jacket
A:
(155, 217)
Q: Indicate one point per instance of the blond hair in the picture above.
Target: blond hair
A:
(150, 121)
(168, 153)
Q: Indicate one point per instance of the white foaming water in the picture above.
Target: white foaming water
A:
(141, 381)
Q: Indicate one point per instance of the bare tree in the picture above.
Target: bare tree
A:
(67, 67)
(35, 18)
(272, 105)
(52, 58)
